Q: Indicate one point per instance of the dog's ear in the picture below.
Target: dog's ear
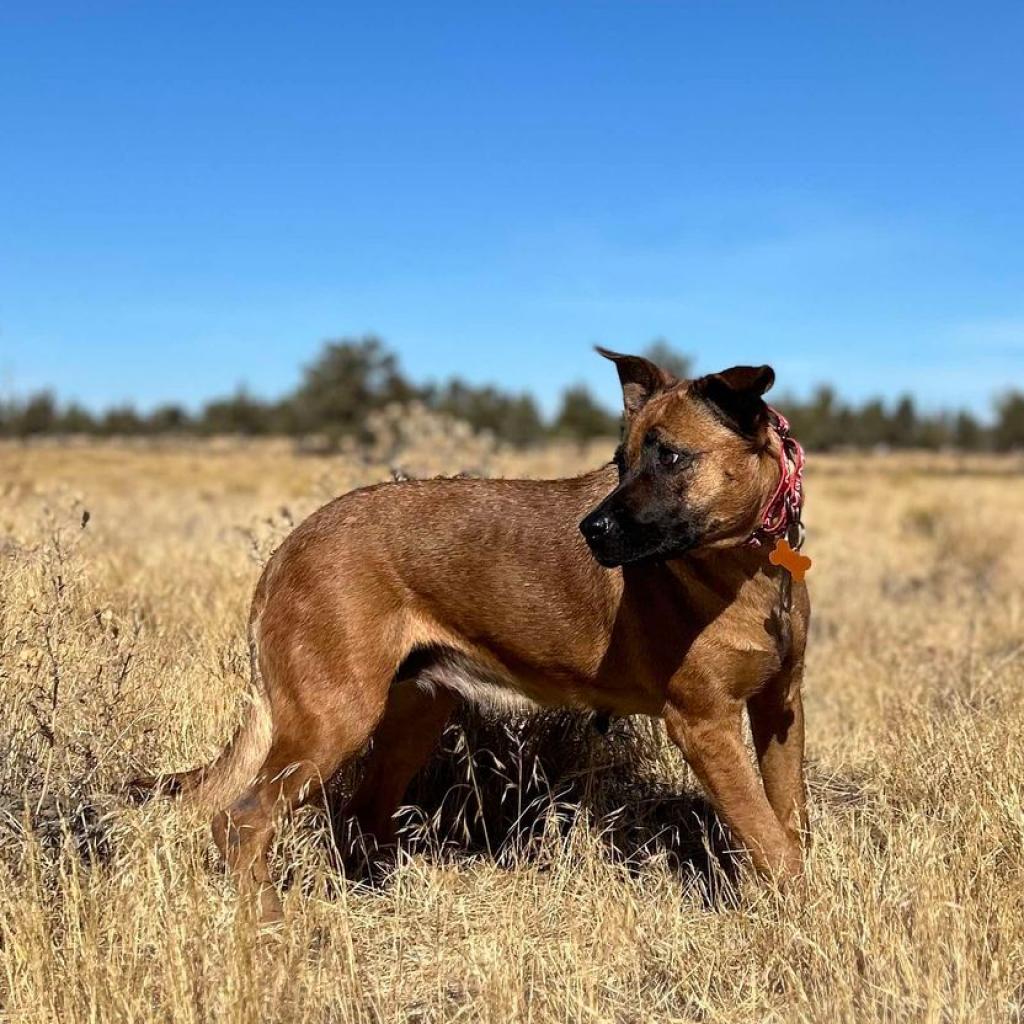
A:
(639, 377)
(735, 395)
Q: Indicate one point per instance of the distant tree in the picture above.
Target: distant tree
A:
(239, 414)
(967, 432)
(871, 425)
(283, 417)
(903, 424)
(581, 417)
(514, 418)
(1008, 432)
(934, 432)
(824, 428)
(663, 354)
(822, 423)
(76, 419)
(121, 420)
(521, 422)
(38, 415)
(350, 378)
(168, 419)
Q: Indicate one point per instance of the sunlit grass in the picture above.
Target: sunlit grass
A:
(552, 874)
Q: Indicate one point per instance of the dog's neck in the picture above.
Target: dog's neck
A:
(721, 571)
(740, 557)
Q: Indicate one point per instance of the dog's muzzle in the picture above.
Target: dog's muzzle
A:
(616, 538)
(603, 534)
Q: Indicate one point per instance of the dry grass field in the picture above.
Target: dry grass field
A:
(552, 874)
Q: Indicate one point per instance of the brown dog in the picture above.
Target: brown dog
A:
(634, 589)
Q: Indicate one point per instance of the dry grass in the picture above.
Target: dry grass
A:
(121, 648)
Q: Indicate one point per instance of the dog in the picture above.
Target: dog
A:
(641, 588)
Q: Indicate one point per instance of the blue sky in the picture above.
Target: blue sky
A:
(196, 195)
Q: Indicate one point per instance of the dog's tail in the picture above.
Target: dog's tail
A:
(215, 786)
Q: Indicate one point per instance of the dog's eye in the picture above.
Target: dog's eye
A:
(667, 457)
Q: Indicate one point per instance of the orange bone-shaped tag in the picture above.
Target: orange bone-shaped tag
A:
(792, 561)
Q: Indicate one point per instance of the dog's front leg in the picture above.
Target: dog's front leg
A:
(711, 740)
(777, 726)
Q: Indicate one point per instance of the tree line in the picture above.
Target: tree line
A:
(353, 377)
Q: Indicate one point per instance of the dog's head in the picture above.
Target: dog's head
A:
(696, 463)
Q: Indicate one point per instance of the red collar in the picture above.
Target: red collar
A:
(785, 506)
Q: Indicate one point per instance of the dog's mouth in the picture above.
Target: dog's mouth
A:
(608, 559)
(616, 560)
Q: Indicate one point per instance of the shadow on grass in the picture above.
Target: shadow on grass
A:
(511, 790)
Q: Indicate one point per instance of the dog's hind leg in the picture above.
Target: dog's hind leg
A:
(777, 726)
(402, 742)
(312, 739)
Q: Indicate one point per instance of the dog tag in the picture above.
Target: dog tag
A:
(792, 561)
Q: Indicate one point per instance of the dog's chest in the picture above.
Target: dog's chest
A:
(696, 650)
(738, 650)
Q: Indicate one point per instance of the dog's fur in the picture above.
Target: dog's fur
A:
(391, 603)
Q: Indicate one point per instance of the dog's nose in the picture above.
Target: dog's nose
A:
(597, 526)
